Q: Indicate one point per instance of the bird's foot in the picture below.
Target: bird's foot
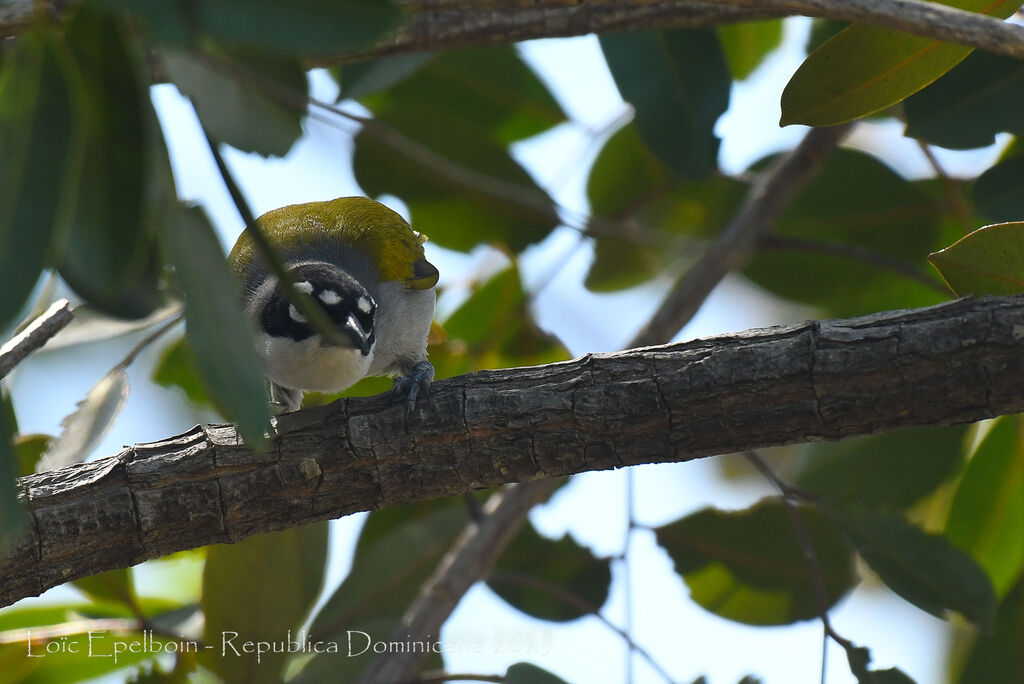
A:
(408, 386)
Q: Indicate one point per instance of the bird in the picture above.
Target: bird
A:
(365, 267)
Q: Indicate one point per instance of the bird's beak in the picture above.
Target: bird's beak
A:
(353, 330)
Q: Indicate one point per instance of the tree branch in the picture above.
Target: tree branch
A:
(447, 24)
(952, 363)
(35, 335)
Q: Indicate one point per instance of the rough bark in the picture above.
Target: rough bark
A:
(952, 363)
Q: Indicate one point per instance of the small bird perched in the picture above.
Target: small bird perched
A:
(365, 267)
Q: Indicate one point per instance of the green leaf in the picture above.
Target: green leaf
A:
(562, 564)
(749, 565)
(235, 99)
(660, 212)
(28, 449)
(892, 470)
(177, 367)
(82, 431)
(40, 154)
(12, 513)
(217, 330)
(678, 82)
(746, 45)
(111, 258)
(999, 192)
(995, 657)
(113, 585)
(987, 516)
(261, 588)
(982, 96)
(859, 203)
(925, 569)
(397, 551)
(989, 260)
(528, 673)
(466, 107)
(864, 69)
(357, 79)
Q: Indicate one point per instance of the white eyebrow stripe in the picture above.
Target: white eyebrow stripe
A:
(330, 297)
(364, 304)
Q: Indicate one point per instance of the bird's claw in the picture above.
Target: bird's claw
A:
(409, 386)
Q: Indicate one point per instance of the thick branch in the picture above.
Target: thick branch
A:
(952, 363)
(446, 24)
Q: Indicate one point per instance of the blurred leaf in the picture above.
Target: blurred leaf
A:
(925, 569)
(528, 673)
(113, 585)
(465, 106)
(864, 69)
(981, 96)
(989, 260)
(90, 325)
(678, 82)
(12, 514)
(859, 659)
(397, 551)
(892, 470)
(167, 21)
(217, 330)
(356, 79)
(40, 157)
(999, 192)
(746, 45)
(28, 449)
(82, 431)
(629, 184)
(562, 564)
(177, 368)
(855, 201)
(110, 258)
(987, 516)
(995, 657)
(234, 103)
(494, 328)
(749, 565)
(260, 588)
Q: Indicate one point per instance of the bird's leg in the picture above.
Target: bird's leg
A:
(408, 386)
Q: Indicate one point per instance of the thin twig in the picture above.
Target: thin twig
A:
(853, 253)
(35, 335)
(770, 195)
(431, 677)
(579, 603)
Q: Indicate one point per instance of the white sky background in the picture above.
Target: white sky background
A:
(685, 639)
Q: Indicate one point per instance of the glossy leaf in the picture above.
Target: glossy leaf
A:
(217, 330)
(981, 96)
(860, 203)
(678, 82)
(749, 565)
(995, 657)
(261, 588)
(999, 192)
(864, 69)
(925, 569)
(110, 258)
(892, 470)
(357, 79)
(560, 563)
(234, 104)
(397, 550)
(464, 107)
(40, 156)
(987, 516)
(177, 368)
(82, 431)
(746, 45)
(988, 261)
(113, 585)
(528, 673)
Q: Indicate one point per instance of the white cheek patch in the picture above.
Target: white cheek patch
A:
(365, 305)
(330, 297)
(304, 286)
(295, 315)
